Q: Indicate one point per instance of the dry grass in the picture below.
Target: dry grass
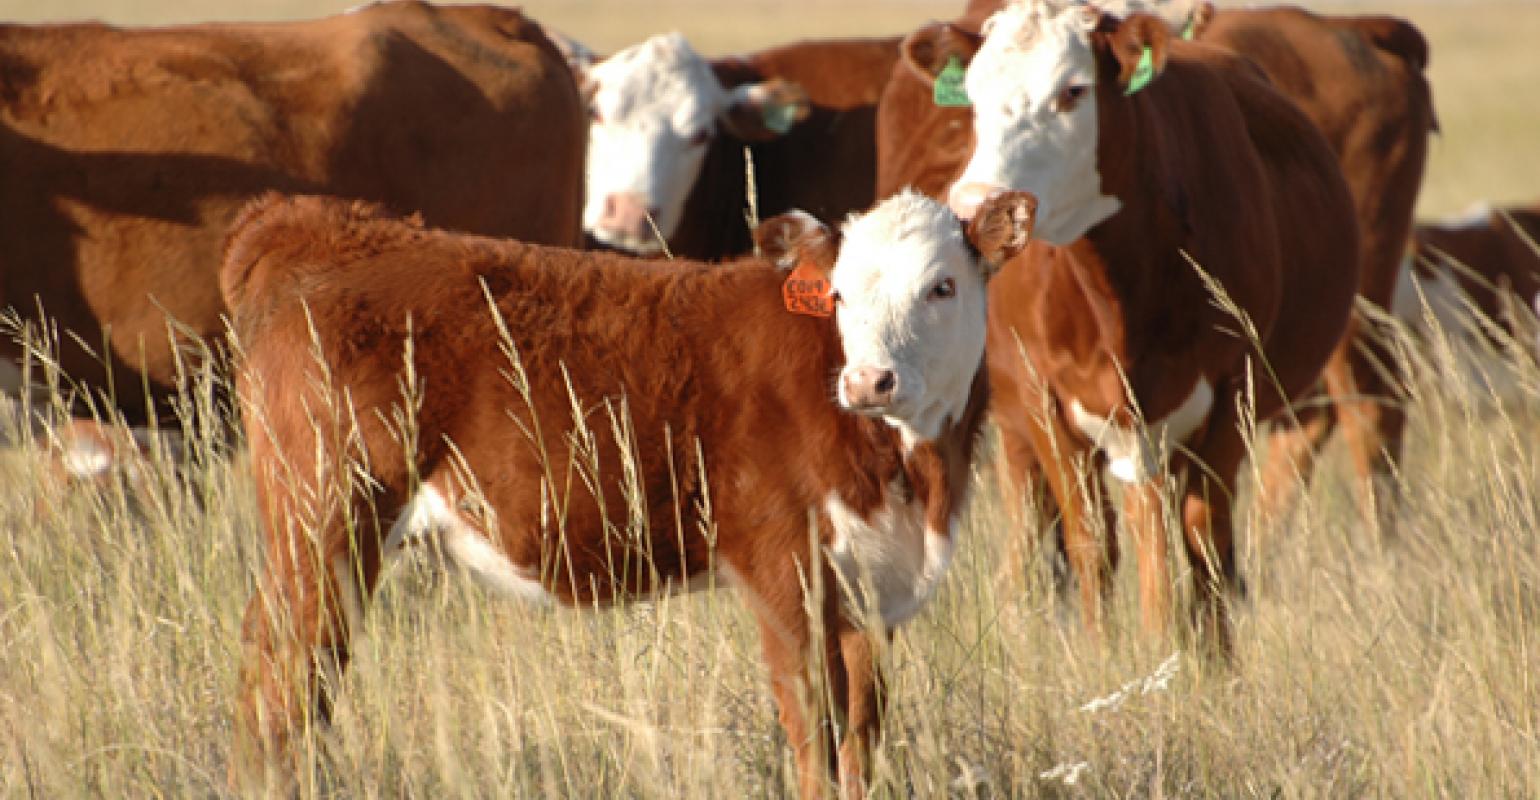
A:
(1395, 663)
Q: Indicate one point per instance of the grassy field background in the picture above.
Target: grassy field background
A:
(1393, 660)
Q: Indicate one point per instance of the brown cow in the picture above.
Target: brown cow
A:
(669, 129)
(127, 153)
(1360, 79)
(709, 440)
(1475, 259)
(1105, 341)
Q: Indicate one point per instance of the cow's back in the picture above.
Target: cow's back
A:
(128, 152)
(1360, 80)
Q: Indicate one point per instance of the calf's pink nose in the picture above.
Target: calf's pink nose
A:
(869, 387)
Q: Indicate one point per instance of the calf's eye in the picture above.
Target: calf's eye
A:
(943, 290)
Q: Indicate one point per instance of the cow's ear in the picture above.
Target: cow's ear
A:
(1002, 228)
(1135, 47)
(759, 112)
(1202, 15)
(936, 46)
(796, 238)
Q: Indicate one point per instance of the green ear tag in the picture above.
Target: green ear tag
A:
(1143, 73)
(1192, 28)
(949, 90)
(779, 117)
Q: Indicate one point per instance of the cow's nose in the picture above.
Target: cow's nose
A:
(870, 387)
(626, 213)
(965, 199)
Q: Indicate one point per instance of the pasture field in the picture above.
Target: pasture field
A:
(1399, 658)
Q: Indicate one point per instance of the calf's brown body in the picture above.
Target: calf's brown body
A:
(598, 380)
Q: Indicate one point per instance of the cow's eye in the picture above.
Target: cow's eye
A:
(943, 290)
(1068, 98)
(835, 297)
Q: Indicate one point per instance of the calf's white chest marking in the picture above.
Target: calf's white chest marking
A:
(895, 550)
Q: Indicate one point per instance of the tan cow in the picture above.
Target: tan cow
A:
(126, 153)
(749, 430)
(1106, 345)
(1359, 79)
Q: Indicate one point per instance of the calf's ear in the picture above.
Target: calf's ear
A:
(1002, 228)
(796, 238)
(930, 49)
(1135, 48)
(759, 112)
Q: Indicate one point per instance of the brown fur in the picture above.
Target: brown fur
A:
(1121, 311)
(1359, 79)
(1500, 255)
(699, 360)
(126, 154)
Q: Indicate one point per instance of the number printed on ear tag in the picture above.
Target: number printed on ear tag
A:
(806, 291)
(949, 90)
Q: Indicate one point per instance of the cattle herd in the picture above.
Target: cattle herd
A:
(606, 327)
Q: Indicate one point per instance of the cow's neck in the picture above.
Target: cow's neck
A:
(939, 471)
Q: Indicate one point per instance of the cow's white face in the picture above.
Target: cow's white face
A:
(1033, 84)
(654, 109)
(910, 304)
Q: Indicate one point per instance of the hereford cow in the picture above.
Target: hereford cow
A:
(669, 129)
(127, 153)
(1359, 79)
(1471, 262)
(725, 398)
(1106, 344)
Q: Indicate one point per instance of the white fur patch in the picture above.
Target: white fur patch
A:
(893, 554)
(1177, 14)
(1442, 294)
(1031, 53)
(1476, 215)
(428, 515)
(1135, 455)
(86, 458)
(891, 261)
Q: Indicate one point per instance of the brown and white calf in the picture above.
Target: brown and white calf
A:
(1106, 345)
(669, 128)
(862, 425)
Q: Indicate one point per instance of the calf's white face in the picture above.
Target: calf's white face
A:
(655, 108)
(909, 293)
(1032, 85)
(908, 285)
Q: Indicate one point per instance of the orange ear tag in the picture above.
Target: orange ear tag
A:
(806, 291)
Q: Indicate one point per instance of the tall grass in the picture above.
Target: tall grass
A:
(1402, 665)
